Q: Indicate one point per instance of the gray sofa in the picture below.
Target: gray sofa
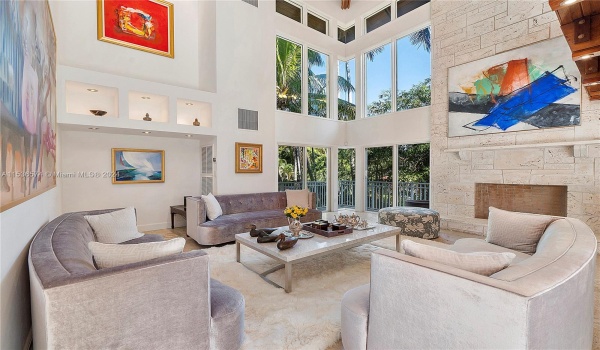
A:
(239, 211)
(164, 303)
(541, 301)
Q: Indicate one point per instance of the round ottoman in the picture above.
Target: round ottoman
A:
(415, 222)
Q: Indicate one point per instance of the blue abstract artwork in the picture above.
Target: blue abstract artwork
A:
(530, 88)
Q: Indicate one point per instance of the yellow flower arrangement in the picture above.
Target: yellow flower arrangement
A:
(295, 212)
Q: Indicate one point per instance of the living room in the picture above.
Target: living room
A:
(223, 61)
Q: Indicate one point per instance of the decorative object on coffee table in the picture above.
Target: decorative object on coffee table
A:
(267, 238)
(256, 232)
(294, 213)
(323, 228)
(284, 242)
(147, 118)
(196, 122)
(97, 112)
(415, 222)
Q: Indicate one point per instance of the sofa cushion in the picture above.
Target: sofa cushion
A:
(114, 227)
(213, 208)
(554, 244)
(483, 263)
(471, 245)
(517, 231)
(112, 255)
(250, 202)
(297, 197)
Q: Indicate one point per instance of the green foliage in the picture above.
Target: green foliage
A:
(317, 164)
(379, 164)
(413, 163)
(289, 76)
(419, 95)
(346, 164)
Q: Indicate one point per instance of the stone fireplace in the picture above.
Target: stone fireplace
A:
(537, 199)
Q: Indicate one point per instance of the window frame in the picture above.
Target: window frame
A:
(315, 14)
(302, 10)
(379, 9)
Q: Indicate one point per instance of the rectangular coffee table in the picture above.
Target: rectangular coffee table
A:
(312, 248)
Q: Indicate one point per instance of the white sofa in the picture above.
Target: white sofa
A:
(541, 301)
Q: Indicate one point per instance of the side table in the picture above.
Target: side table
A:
(177, 209)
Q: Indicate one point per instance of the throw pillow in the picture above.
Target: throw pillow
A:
(213, 208)
(482, 263)
(516, 231)
(297, 197)
(111, 255)
(114, 227)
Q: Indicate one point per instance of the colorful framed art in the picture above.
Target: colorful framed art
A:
(134, 166)
(145, 25)
(248, 158)
(529, 88)
(28, 101)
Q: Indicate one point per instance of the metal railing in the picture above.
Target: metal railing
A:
(379, 193)
(346, 194)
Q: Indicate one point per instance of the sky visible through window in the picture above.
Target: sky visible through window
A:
(378, 72)
(351, 73)
(414, 64)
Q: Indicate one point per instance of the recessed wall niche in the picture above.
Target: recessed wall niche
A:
(188, 111)
(157, 106)
(82, 97)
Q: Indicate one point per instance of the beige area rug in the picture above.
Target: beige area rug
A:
(309, 317)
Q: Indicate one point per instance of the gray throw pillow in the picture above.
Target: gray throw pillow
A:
(516, 231)
(482, 263)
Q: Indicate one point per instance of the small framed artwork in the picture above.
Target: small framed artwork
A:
(145, 25)
(248, 158)
(134, 166)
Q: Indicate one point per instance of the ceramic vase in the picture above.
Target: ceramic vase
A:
(295, 226)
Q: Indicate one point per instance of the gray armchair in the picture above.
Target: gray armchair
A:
(164, 303)
(542, 301)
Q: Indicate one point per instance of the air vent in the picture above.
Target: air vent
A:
(251, 2)
(247, 119)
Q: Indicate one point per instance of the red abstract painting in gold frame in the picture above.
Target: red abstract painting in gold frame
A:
(145, 25)
(248, 158)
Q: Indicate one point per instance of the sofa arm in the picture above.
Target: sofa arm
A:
(195, 212)
(420, 304)
(163, 303)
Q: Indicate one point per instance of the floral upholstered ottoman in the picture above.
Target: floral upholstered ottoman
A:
(415, 222)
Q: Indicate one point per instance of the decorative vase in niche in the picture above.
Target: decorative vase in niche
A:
(295, 226)
(196, 122)
(147, 118)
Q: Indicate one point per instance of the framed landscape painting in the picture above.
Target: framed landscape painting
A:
(27, 101)
(248, 158)
(530, 88)
(145, 25)
(134, 166)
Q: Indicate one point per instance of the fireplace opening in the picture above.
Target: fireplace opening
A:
(537, 199)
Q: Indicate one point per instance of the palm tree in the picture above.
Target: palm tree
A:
(289, 75)
(421, 38)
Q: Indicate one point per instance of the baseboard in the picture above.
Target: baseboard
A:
(29, 341)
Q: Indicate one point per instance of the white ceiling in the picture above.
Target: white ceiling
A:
(333, 8)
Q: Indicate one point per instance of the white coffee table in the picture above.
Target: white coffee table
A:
(312, 248)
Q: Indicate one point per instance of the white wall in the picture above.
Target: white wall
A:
(18, 225)
(77, 46)
(91, 151)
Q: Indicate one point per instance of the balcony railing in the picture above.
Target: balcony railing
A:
(379, 193)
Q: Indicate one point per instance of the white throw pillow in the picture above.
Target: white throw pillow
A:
(297, 197)
(482, 263)
(115, 227)
(213, 208)
(517, 231)
(111, 255)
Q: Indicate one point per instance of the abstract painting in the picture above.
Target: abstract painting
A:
(27, 101)
(145, 25)
(533, 87)
(248, 158)
(137, 166)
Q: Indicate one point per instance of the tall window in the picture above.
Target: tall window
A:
(346, 90)
(317, 83)
(413, 173)
(289, 75)
(379, 190)
(316, 174)
(379, 80)
(291, 168)
(413, 70)
(346, 177)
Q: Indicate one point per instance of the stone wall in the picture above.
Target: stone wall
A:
(465, 31)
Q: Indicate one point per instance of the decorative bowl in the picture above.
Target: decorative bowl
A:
(98, 112)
